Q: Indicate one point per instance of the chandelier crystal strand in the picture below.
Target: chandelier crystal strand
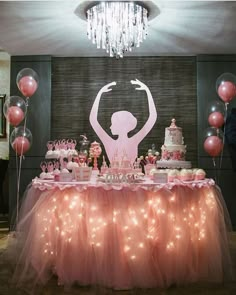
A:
(117, 27)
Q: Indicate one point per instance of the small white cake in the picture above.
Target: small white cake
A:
(173, 150)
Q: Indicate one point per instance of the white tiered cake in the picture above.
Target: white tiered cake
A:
(173, 150)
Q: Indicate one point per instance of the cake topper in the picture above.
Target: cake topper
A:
(173, 125)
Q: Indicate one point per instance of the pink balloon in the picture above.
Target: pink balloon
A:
(27, 86)
(227, 91)
(21, 145)
(213, 145)
(216, 119)
(15, 115)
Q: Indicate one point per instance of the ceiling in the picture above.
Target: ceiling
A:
(182, 28)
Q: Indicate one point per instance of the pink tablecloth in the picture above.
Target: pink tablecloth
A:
(123, 236)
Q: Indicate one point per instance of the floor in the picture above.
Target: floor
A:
(53, 289)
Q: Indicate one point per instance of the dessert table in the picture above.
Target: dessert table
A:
(123, 235)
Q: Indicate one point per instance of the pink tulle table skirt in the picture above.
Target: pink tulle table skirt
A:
(123, 238)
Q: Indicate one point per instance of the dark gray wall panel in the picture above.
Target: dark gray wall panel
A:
(172, 81)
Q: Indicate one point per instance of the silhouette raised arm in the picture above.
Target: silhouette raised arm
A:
(101, 133)
(122, 122)
(138, 137)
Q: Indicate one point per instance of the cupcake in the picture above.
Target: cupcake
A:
(200, 174)
(185, 175)
(43, 175)
(49, 154)
(57, 154)
(191, 175)
(56, 173)
(194, 170)
(49, 175)
(172, 175)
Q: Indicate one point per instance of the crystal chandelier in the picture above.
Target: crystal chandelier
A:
(117, 27)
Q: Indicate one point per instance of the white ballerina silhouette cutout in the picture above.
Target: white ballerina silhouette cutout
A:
(122, 122)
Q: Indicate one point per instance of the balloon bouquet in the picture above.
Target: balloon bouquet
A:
(15, 110)
(214, 136)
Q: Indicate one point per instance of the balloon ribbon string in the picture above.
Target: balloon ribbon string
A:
(222, 152)
(17, 183)
(215, 169)
(26, 113)
(221, 156)
(18, 191)
(20, 165)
